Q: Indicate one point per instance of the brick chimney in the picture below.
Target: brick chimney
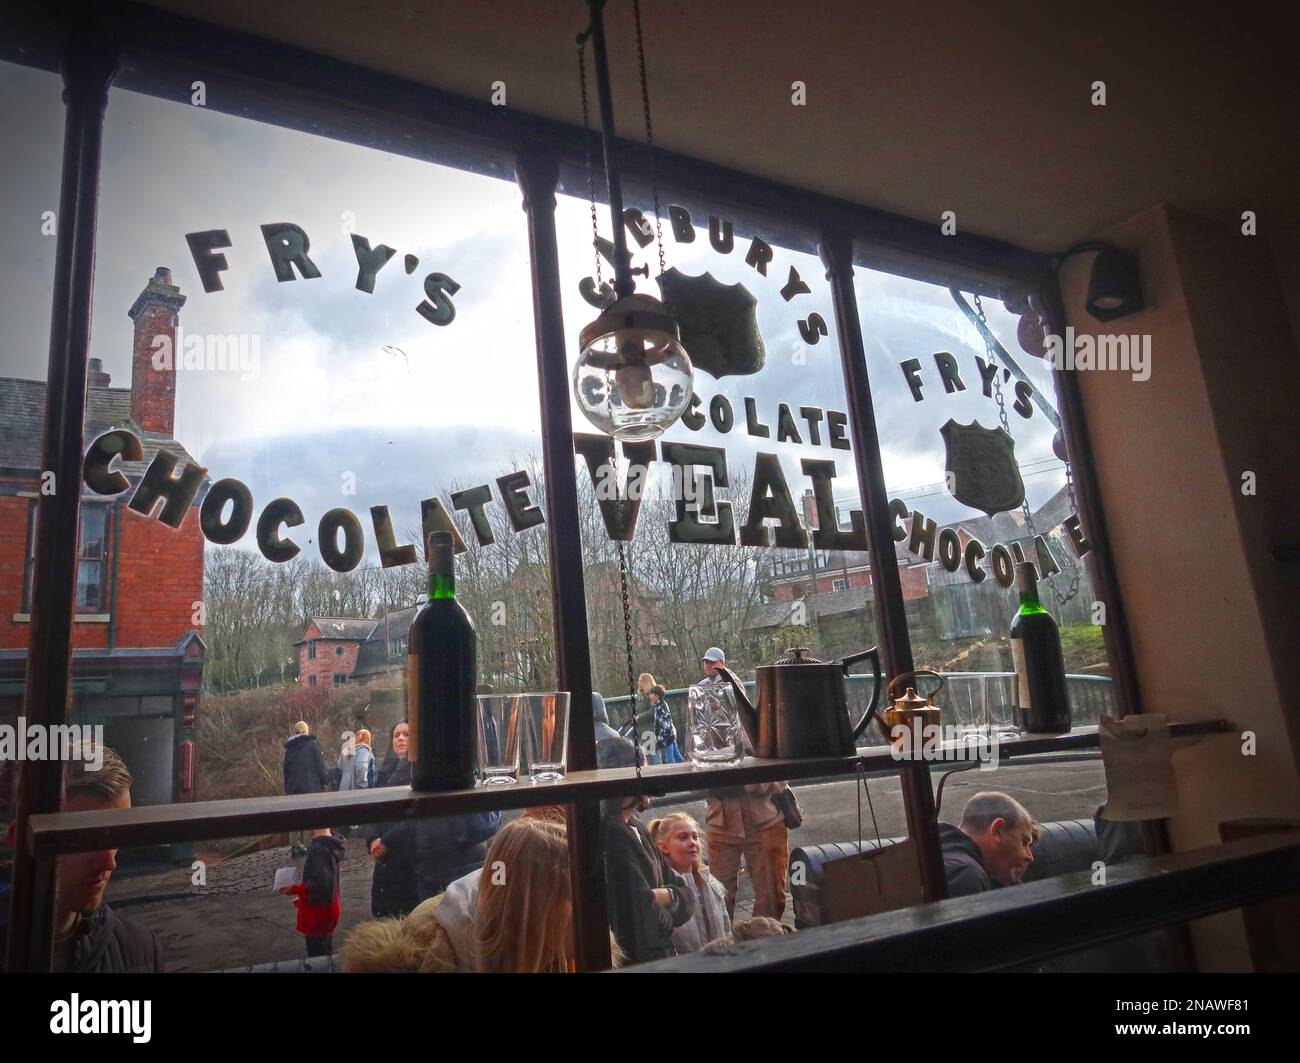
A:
(809, 510)
(96, 377)
(153, 391)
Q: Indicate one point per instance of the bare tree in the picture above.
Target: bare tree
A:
(682, 597)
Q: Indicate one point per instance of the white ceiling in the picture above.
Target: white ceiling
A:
(983, 110)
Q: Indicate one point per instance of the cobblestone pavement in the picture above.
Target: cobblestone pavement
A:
(252, 873)
(236, 920)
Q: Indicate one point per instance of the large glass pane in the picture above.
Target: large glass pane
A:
(351, 331)
(948, 373)
(29, 204)
(770, 402)
(967, 506)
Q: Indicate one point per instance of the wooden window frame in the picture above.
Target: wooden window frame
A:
(285, 86)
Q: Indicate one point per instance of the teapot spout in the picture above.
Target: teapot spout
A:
(744, 707)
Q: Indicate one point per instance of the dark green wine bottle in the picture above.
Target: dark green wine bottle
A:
(1042, 700)
(441, 680)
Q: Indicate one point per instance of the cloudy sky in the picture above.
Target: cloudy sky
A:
(348, 382)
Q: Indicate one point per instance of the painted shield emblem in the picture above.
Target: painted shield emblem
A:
(981, 466)
(719, 327)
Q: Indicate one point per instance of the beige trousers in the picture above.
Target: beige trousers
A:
(766, 855)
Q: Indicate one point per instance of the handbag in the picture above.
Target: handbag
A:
(788, 805)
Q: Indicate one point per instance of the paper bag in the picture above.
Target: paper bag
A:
(1139, 768)
(879, 880)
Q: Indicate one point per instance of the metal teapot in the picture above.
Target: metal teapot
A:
(802, 709)
(912, 712)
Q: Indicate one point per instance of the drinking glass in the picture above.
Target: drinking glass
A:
(498, 738)
(716, 738)
(546, 728)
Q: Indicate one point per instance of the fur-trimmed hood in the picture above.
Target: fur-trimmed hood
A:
(416, 944)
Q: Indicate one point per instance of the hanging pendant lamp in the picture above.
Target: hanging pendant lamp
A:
(633, 378)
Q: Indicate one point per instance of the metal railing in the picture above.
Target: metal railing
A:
(969, 699)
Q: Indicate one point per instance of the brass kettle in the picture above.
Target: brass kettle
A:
(802, 708)
(911, 711)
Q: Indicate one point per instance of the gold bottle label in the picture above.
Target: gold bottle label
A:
(413, 705)
(1023, 700)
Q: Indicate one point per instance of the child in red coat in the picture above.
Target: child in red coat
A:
(317, 895)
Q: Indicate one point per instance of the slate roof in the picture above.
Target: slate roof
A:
(342, 627)
(22, 425)
(825, 603)
(373, 659)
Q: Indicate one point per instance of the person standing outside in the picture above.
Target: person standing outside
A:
(355, 761)
(392, 845)
(743, 822)
(304, 773)
(646, 901)
(398, 743)
(316, 895)
(665, 729)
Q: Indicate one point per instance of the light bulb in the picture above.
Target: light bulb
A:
(633, 378)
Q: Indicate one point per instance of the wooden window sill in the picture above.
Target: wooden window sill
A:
(202, 820)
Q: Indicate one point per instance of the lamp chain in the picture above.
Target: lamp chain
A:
(625, 600)
(649, 133)
(586, 129)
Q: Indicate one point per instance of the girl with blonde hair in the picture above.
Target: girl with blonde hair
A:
(355, 761)
(677, 836)
(515, 915)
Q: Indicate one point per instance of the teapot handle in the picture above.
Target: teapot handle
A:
(853, 658)
(913, 675)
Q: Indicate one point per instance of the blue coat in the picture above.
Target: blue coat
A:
(356, 768)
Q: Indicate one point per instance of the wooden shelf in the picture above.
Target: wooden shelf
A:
(203, 820)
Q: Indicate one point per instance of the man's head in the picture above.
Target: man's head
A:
(712, 660)
(82, 877)
(1005, 832)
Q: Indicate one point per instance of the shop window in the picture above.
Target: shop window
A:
(299, 382)
(29, 565)
(958, 398)
(775, 411)
(92, 556)
(92, 559)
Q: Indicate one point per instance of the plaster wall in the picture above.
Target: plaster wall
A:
(1213, 617)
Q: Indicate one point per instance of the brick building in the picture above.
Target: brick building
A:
(330, 646)
(829, 587)
(137, 647)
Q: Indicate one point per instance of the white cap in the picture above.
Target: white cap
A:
(713, 654)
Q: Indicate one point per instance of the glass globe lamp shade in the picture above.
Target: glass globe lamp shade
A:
(633, 378)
